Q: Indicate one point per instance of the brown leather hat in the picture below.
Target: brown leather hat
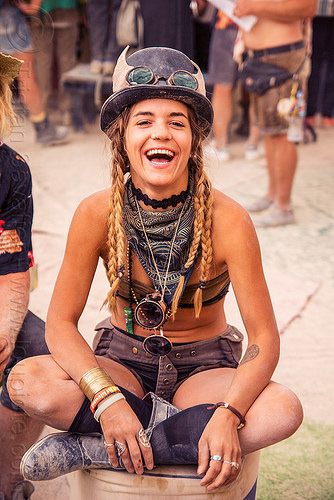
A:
(174, 76)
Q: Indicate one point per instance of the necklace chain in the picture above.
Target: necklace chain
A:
(163, 288)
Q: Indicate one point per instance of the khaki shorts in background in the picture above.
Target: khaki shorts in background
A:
(265, 106)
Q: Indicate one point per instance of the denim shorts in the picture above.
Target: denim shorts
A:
(14, 31)
(163, 375)
(30, 342)
(265, 105)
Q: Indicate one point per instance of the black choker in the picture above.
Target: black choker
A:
(174, 200)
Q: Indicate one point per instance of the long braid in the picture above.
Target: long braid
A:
(116, 235)
(202, 224)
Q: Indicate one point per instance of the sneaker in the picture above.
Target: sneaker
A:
(275, 217)
(48, 134)
(252, 152)
(108, 67)
(96, 67)
(258, 205)
(221, 154)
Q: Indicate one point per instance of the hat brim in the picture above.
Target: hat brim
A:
(116, 103)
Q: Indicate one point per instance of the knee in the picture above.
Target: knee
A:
(27, 389)
(292, 411)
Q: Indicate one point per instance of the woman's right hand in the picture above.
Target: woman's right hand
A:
(123, 430)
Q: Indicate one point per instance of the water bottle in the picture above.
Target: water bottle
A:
(296, 120)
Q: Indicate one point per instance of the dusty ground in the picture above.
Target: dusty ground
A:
(298, 260)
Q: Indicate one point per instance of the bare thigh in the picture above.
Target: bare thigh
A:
(45, 391)
(275, 414)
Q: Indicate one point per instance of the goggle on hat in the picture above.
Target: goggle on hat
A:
(157, 72)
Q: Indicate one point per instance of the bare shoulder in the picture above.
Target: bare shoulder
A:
(91, 219)
(232, 228)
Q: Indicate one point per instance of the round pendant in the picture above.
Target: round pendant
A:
(150, 313)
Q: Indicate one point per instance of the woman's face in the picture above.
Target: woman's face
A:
(158, 141)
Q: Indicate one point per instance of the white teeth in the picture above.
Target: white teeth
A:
(161, 152)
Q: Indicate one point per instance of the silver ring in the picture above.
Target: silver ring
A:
(227, 462)
(120, 447)
(235, 464)
(218, 458)
(106, 445)
(143, 439)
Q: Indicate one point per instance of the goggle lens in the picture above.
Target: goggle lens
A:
(157, 345)
(140, 76)
(184, 79)
(149, 314)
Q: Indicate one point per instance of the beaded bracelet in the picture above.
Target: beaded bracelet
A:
(94, 381)
(103, 395)
(233, 410)
(110, 401)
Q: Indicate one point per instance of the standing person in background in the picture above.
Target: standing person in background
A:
(322, 72)
(54, 30)
(21, 332)
(277, 38)
(15, 40)
(222, 75)
(102, 16)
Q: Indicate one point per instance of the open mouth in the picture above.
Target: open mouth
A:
(160, 155)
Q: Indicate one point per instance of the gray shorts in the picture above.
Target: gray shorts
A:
(163, 375)
(265, 105)
(222, 67)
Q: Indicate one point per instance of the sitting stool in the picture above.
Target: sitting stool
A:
(163, 482)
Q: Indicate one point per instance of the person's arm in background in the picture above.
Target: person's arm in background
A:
(277, 10)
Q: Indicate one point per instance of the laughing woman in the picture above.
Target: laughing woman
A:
(171, 246)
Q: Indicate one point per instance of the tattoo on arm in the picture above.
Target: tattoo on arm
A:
(250, 354)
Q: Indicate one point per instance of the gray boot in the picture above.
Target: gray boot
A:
(64, 452)
(22, 491)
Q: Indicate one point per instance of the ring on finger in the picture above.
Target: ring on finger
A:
(120, 447)
(232, 464)
(217, 458)
(143, 439)
(106, 445)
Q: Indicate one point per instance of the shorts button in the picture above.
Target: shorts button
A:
(169, 367)
(148, 355)
(192, 353)
(166, 381)
(178, 355)
(135, 350)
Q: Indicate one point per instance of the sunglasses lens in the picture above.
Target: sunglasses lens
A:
(183, 79)
(140, 76)
(157, 345)
(149, 314)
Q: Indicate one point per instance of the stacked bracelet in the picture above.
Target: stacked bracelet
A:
(108, 402)
(233, 410)
(113, 389)
(94, 381)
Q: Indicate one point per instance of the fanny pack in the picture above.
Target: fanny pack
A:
(258, 76)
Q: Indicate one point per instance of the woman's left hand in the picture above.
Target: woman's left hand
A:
(219, 452)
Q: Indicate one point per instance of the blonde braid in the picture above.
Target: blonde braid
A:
(116, 236)
(202, 224)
